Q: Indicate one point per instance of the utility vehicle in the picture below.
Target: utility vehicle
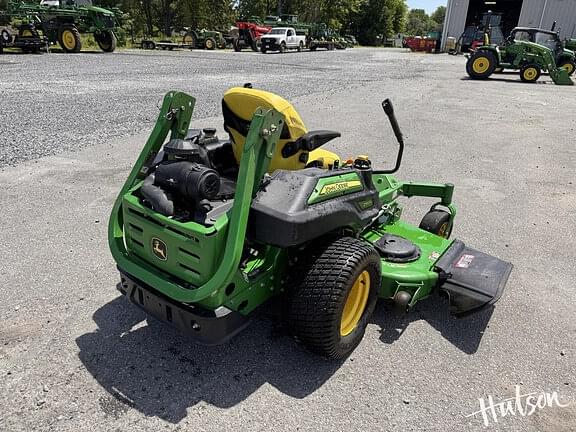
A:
(206, 231)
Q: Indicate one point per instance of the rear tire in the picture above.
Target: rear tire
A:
(282, 48)
(335, 293)
(189, 39)
(236, 45)
(437, 222)
(300, 46)
(69, 39)
(530, 73)
(481, 65)
(106, 41)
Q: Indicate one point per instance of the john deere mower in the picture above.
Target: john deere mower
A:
(206, 231)
(528, 50)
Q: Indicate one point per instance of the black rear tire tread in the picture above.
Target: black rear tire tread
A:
(492, 61)
(327, 273)
(76, 33)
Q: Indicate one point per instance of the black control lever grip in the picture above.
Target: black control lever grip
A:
(389, 110)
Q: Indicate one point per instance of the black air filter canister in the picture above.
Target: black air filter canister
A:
(189, 179)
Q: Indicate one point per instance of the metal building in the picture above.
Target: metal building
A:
(527, 13)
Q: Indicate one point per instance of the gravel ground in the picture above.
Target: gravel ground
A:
(75, 356)
(52, 103)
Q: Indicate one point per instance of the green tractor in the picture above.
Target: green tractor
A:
(205, 232)
(528, 50)
(63, 23)
(207, 39)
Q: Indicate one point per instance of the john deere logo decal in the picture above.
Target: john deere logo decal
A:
(159, 248)
(340, 187)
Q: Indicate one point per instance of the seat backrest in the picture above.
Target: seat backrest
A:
(238, 107)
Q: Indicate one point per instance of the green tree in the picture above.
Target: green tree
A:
(380, 19)
(439, 15)
(419, 23)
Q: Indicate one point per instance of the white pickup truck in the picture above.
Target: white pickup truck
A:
(282, 39)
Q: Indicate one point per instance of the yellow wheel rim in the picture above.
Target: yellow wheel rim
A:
(26, 33)
(355, 304)
(568, 67)
(209, 44)
(188, 40)
(530, 73)
(481, 65)
(443, 231)
(68, 39)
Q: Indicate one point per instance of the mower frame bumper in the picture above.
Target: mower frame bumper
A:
(206, 327)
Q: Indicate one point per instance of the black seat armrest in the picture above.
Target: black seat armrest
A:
(310, 141)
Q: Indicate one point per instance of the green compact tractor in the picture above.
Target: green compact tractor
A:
(528, 50)
(206, 231)
(63, 23)
(204, 39)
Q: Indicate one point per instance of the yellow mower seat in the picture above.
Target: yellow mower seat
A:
(238, 107)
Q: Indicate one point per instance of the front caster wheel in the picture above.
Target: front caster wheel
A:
(437, 222)
(335, 294)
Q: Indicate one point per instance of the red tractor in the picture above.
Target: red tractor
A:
(249, 34)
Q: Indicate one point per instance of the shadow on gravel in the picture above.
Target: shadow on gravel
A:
(157, 371)
(464, 333)
(514, 79)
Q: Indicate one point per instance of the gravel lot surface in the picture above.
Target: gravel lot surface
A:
(76, 356)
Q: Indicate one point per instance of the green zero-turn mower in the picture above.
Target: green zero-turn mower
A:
(205, 231)
(528, 50)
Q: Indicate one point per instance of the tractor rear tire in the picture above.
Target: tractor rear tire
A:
(481, 65)
(236, 45)
(210, 43)
(189, 39)
(530, 73)
(335, 292)
(69, 38)
(568, 65)
(256, 45)
(107, 41)
(437, 222)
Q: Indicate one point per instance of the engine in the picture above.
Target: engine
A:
(191, 176)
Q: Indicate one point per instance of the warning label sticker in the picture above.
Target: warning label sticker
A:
(464, 261)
